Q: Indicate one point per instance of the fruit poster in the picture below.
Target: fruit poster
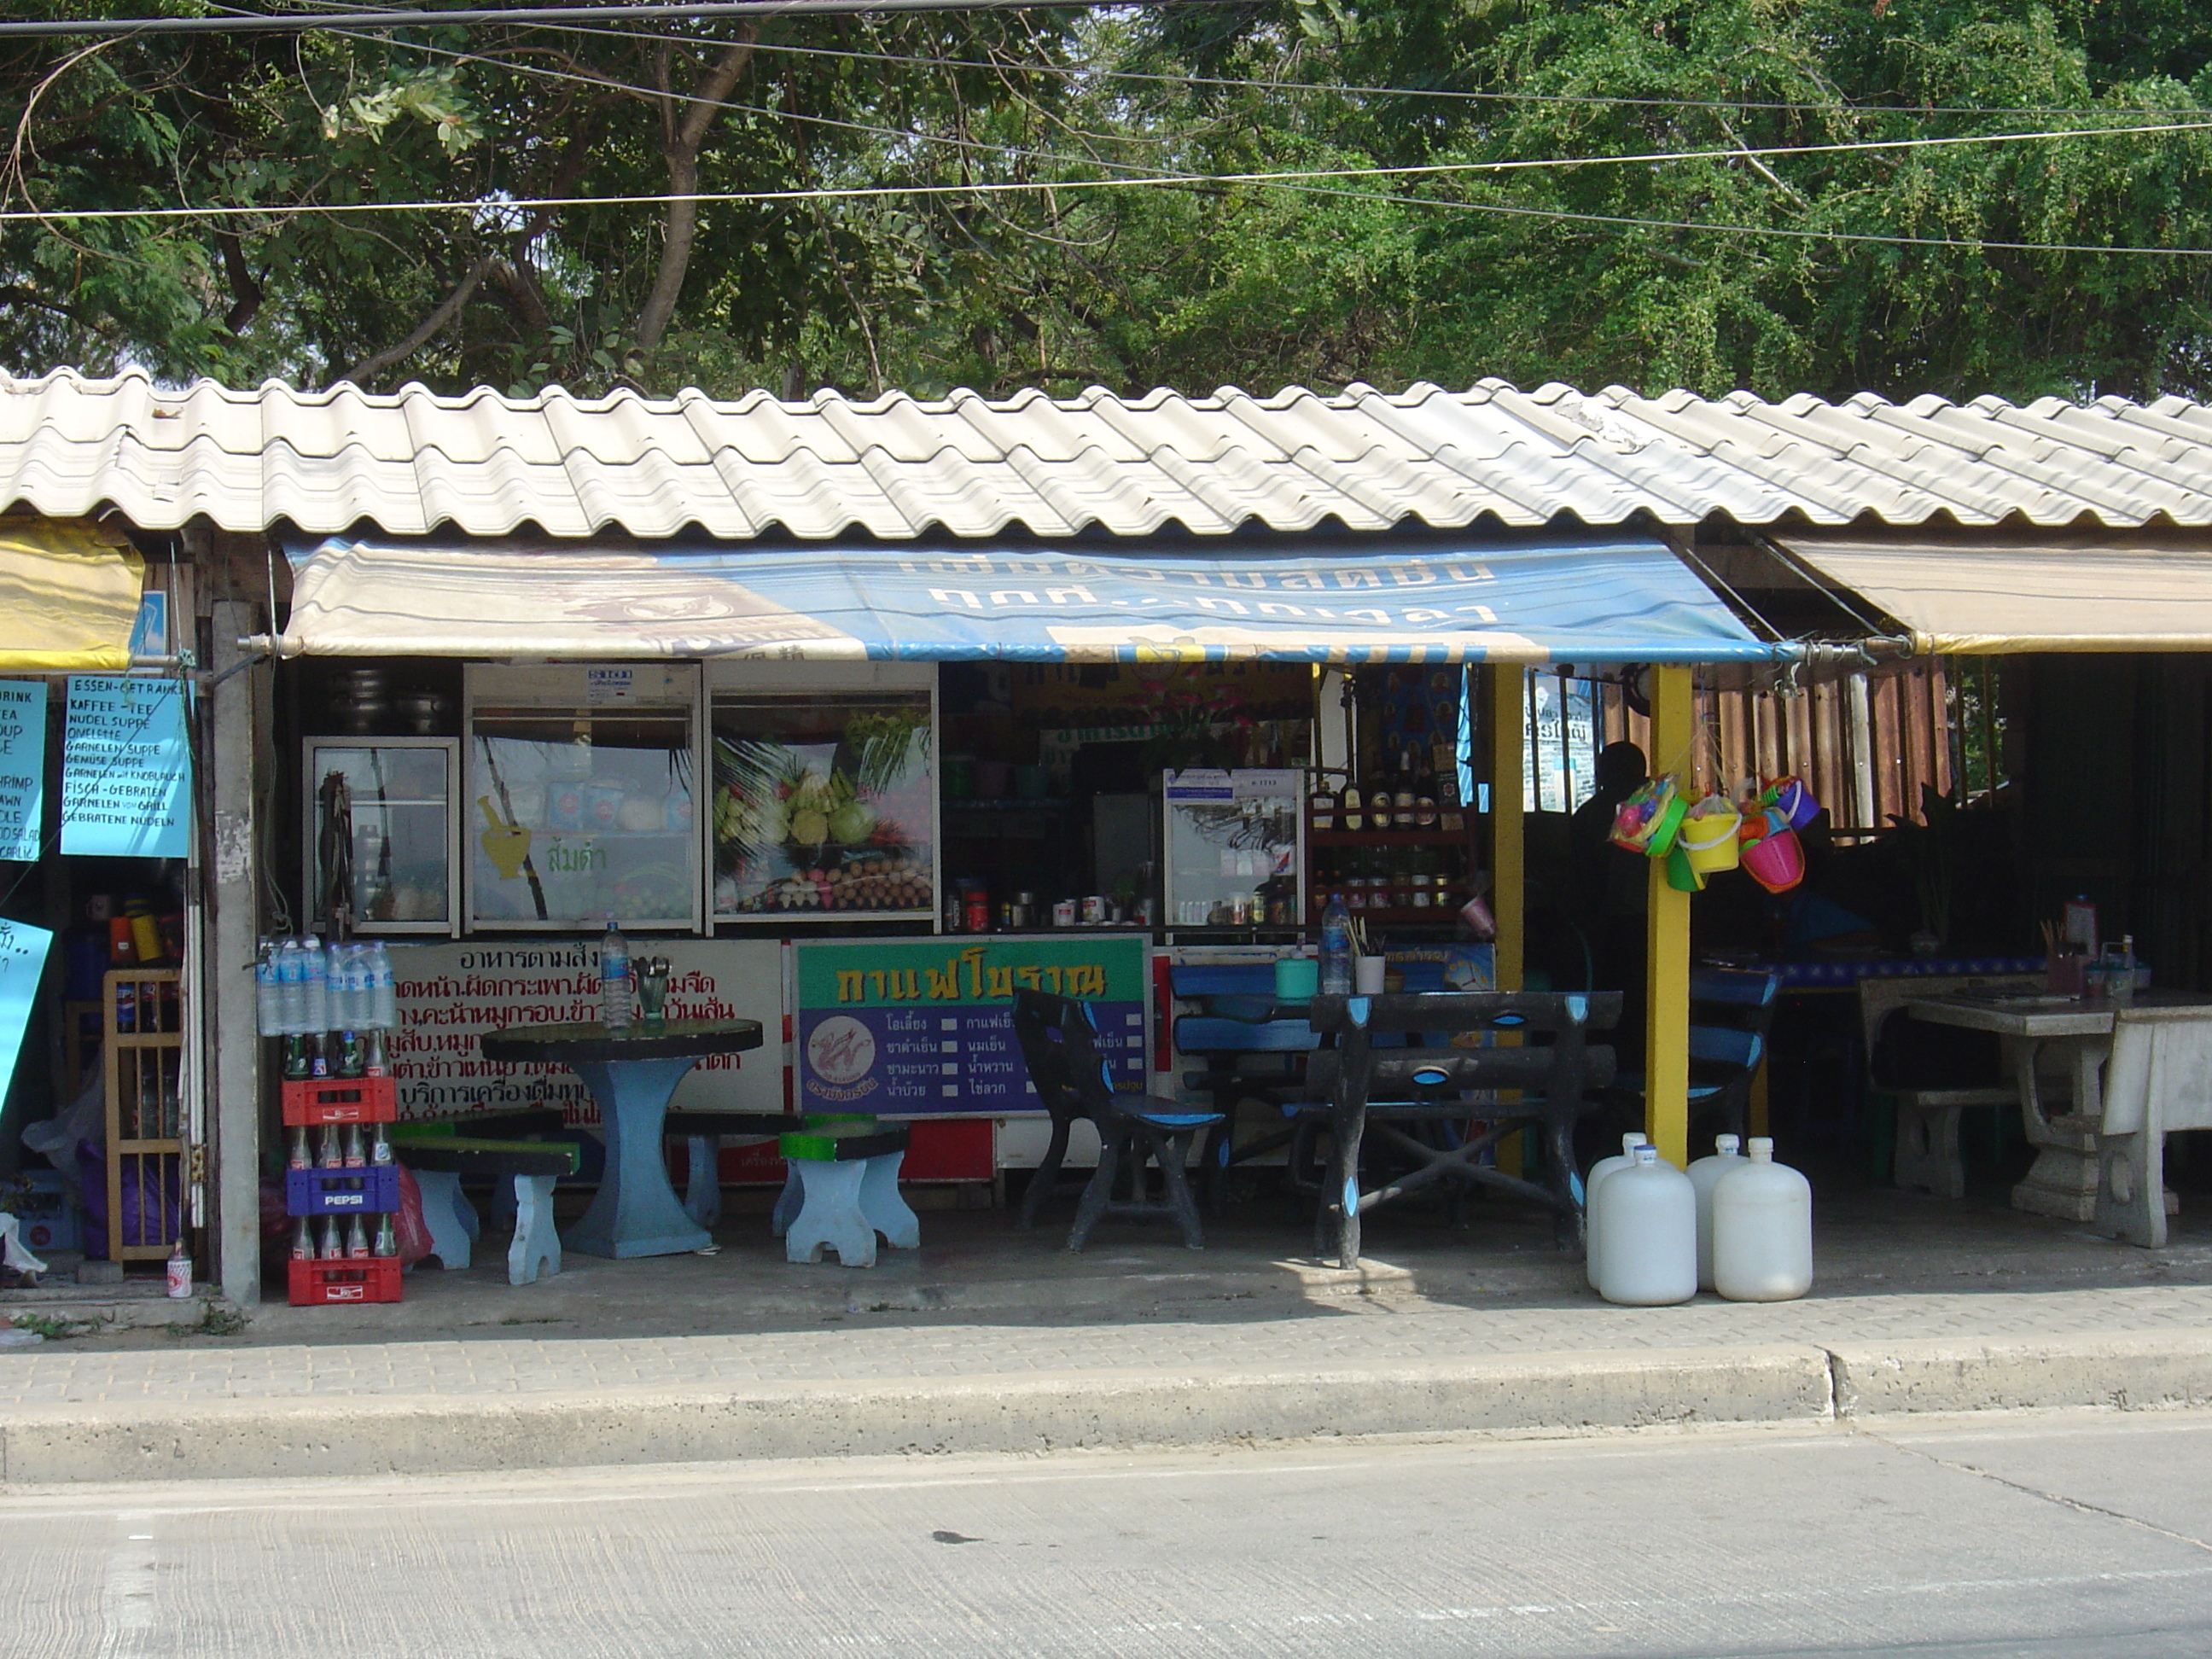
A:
(907, 1027)
(824, 804)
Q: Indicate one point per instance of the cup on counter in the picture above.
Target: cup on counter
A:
(1297, 979)
(1367, 975)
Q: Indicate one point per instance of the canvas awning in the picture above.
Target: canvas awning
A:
(1596, 599)
(68, 596)
(1988, 598)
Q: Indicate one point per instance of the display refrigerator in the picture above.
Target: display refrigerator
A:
(1234, 853)
(581, 799)
(823, 791)
(405, 843)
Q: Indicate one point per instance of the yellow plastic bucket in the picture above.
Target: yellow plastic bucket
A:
(1708, 836)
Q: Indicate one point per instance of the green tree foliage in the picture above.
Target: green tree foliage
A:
(1780, 272)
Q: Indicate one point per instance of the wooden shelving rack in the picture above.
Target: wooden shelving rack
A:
(141, 1058)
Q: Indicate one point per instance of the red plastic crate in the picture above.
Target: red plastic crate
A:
(340, 1100)
(313, 1283)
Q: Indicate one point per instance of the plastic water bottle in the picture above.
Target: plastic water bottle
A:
(350, 965)
(268, 991)
(615, 983)
(315, 988)
(1648, 1247)
(1592, 1213)
(1336, 948)
(1762, 1229)
(1704, 1175)
(292, 988)
(383, 991)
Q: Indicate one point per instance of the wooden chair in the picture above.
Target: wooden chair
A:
(1554, 1070)
(1927, 1139)
(1059, 1041)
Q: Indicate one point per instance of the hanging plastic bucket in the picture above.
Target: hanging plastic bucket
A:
(1646, 822)
(1795, 802)
(1708, 836)
(1776, 862)
(1682, 875)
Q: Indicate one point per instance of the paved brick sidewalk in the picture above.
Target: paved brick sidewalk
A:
(1345, 1332)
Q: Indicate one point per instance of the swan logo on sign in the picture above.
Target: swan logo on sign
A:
(840, 1052)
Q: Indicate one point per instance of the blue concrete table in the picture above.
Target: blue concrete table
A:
(631, 1074)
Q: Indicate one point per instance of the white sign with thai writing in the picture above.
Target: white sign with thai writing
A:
(449, 996)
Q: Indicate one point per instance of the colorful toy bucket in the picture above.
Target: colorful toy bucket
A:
(1795, 802)
(1775, 861)
(1647, 820)
(1708, 836)
(1682, 875)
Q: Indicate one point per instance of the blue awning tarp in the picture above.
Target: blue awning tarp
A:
(1585, 599)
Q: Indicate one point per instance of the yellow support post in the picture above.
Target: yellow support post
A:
(1508, 758)
(1667, 943)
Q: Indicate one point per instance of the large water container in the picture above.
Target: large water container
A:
(1648, 1246)
(1598, 1172)
(1703, 1175)
(1762, 1229)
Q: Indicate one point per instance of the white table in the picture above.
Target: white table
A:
(2064, 1181)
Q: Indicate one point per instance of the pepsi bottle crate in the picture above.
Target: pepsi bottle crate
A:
(314, 1283)
(340, 1100)
(368, 1191)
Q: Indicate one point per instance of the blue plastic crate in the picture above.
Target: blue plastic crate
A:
(342, 1192)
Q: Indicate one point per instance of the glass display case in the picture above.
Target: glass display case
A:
(405, 844)
(1236, 848)
(580, 796)
(824, 799)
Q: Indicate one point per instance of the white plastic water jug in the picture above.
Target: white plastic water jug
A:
(1598, 1172)
(1702, 1174)
(1762, 1229)
(1648, 1247)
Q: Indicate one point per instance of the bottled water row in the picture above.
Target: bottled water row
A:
(303, 988)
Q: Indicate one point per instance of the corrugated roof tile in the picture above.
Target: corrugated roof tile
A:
(483, 464)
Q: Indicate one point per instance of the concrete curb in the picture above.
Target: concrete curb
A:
(2128, 1371)
(371, 1434)
(339, 1435)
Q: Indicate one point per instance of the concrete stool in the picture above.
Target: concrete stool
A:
(847, 1174)
(704, 1129)
(535, 1165)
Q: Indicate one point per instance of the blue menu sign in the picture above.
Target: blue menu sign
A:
(126, 769)
(22, 959)
(23, 766)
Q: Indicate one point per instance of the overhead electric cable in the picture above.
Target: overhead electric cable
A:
(411, 17)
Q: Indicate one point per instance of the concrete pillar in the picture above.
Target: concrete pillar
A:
(234, 873)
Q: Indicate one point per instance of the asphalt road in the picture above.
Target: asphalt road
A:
(2043, 1536)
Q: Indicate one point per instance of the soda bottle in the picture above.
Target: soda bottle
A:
(319, 1059)
(387, 1242)
(333, 1243)
(179, 1274)
(303, 1240)
(379, 1147)
(615, 987)
(354, 1157)
(373, 1063)
(356, 1240)
(327, 1155)
(350, 1061)
(299, 1159)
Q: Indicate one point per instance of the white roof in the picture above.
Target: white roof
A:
(483, 465)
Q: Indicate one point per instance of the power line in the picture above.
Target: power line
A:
(1287, 176)
(682, 10)
(878, 192)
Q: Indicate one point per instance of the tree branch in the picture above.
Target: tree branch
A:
(681, 148)
(430, 327)
(245, 294)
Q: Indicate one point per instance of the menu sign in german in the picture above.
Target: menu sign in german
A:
(125, 766)
(907, 1027)
(23, 766)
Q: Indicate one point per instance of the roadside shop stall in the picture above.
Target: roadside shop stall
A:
(861, 795)
(101, 945)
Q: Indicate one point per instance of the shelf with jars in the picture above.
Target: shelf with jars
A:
(1397, 846)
